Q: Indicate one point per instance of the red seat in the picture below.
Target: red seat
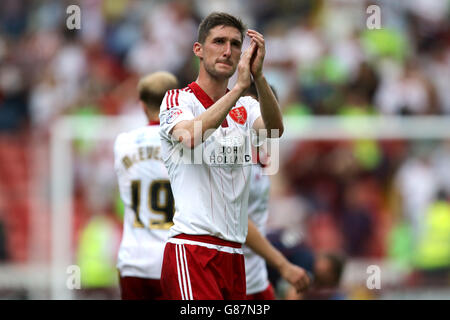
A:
(14, 186)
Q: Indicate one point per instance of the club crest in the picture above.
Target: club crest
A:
(239, 115)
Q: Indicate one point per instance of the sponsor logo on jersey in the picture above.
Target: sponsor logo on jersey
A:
(173, 114)
(239, 115)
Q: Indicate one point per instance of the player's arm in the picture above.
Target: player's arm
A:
(271, 118)
(186, 131)
(192, 132)
(295, 275)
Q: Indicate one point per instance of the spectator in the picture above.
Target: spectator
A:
(328, 270)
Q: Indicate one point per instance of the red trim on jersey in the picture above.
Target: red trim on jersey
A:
(203, 97)
(172, 97)
(153, 123)
(172, 93)
(208, 239)
(176, 97)
(167, 99)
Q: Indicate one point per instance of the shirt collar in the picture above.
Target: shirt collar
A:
(153, 123)
(203, 97)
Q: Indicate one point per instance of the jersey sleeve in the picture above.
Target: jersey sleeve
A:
(254, 111)
(123, 180)
(175, 107)
(118, 151)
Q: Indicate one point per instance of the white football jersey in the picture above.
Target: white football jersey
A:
(258, 200)
(210, 183)
(145, 191)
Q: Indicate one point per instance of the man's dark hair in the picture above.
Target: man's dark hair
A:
(219, 19)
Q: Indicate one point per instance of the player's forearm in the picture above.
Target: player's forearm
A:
(216, 114)
(260, 245)
(270, 109)
(193, 132)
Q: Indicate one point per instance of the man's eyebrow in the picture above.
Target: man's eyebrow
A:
(224, 38)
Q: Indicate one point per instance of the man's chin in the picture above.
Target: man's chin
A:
(227, 75)
(221, 74)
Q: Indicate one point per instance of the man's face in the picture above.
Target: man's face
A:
(221, 51)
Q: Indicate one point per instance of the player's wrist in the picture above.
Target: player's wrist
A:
(239, 89)
(283, 267)
(259, 78)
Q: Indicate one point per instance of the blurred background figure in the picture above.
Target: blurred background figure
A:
(432, 254)
(328, 269)
(96, 257)
(146, 195)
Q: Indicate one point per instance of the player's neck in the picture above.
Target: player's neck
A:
(152, 116)
(214, 88)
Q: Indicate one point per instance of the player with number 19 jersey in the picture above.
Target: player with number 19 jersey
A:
(145, 190)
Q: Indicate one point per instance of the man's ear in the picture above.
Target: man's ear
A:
(198, 50)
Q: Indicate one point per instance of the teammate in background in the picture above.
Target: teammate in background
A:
(258, 285)
(147, 196)
(203, 256)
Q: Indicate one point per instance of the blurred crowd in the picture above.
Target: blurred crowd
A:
(363, 198)
(321, 57)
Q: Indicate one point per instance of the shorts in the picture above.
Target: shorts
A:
(134, 288)
(201, 267)
(267, 294)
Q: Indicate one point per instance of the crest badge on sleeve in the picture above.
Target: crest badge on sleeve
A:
(173, 114)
